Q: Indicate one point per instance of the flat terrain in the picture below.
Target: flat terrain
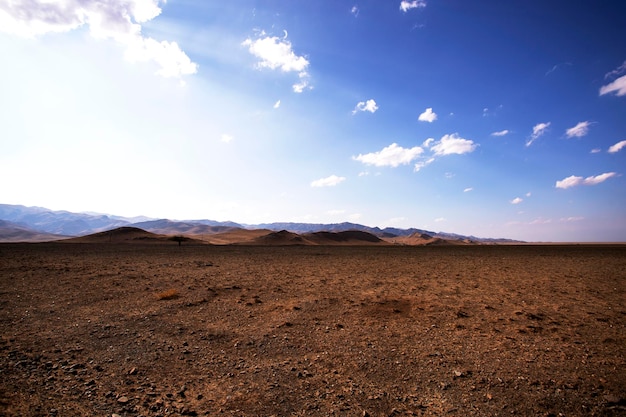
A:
(157, 330)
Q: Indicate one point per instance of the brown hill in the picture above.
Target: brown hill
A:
(350, 237)
(279, 239)
(128, 235)
(234, 235)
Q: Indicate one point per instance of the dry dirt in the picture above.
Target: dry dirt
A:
(157, 330)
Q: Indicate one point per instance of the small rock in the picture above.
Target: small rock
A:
(123, 400)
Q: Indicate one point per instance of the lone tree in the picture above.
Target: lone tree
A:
(179, 239)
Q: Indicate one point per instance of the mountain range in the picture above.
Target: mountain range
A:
(21, 223)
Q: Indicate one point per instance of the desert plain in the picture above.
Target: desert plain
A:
(106, 329)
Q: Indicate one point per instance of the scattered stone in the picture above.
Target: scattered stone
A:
(123, 400)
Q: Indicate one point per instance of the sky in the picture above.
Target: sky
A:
(501, 119)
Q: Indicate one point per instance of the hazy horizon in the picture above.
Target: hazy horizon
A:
(476, 118)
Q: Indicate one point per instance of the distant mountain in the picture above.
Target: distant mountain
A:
(58, 222)
(11, 232)
(169, 227)
(341, 227)
(42, 220)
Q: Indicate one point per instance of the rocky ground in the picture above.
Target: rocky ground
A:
(158, 330)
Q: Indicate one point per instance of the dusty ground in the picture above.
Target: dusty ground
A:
(88, 330)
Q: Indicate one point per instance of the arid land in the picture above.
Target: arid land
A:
(103, 329)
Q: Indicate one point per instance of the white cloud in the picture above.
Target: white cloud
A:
(277, 104)
(596, 150)
(618, 87)
(328, 181)
(538, 130)
(369, 105)
(440, 219)
(119, 20)
(406, 5)
(392, 155)
(428, 142)
(453, 144)
(468, 189)
(355, 11)
(616, 72)
(419, 165)
(517, 200)
(226, 138)
(578, 131)
(528, 194)
(617, 147)
(572, 219)
(574, 181)
(501, 133)
(277, 53)
(428, 116)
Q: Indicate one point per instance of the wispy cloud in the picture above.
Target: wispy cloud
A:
(453, 144)
(226, 138)
(617, 147)
(517, 200)
(328, 181)
(557, 66)
(574, 181)
(578, 131)
(369, 105)
(119, 20)
(538, 130)
(277, 104)
(468, 189)
(571, 219)
(405, 5)
(428, 116)
(277, 53)
(355, 11)
(392, 155)
(617, 86)
(501, 133)
(616, 72)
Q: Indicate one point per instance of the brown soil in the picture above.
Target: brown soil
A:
(157, 330)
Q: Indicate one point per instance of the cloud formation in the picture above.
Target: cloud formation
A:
(517, 200)
(617, 147)
(538, 130)
(501, 133)
(328, 181)
(453, 144)
(406, 5)
(369, 105)
(578, 131)
(574, 181)
(277, 53)
(392, 155)
(119, 20)
(428, 116)
(617, 86)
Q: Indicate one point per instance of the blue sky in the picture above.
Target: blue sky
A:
(487, 118)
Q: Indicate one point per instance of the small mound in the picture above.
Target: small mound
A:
(120, 235)
(280, 238)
